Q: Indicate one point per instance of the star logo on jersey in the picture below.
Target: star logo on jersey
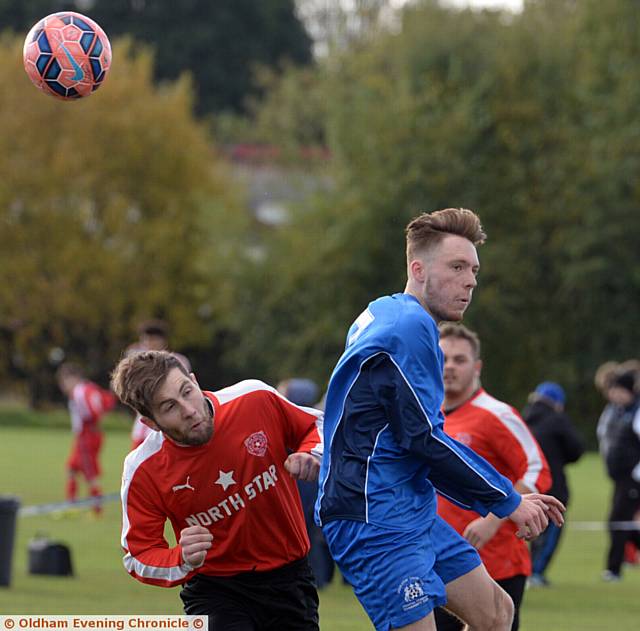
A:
(225, 479)
(256, 444)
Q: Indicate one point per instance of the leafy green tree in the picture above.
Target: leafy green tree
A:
(529, 120)
(112, 209)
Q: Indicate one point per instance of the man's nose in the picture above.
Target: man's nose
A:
(471, 280)
(188, 409)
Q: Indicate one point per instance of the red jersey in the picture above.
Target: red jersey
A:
(87, 403)
(496, 432)
(235, 485)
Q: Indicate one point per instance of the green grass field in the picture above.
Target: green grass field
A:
(32, 467)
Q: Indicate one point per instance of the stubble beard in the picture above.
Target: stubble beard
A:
(195, 438)
(436, 309)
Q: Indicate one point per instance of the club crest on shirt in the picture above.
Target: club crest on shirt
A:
(464, 438)
(256, 444)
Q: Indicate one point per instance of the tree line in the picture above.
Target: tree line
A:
(529, 119)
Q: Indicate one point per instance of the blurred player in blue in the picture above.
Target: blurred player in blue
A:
(386, 453)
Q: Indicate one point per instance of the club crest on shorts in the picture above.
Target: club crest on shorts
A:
(412, 592)
(256, 444)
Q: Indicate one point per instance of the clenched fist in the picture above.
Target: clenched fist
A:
(195, 541)
(302, 466)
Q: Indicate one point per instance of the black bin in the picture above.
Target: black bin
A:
(8, 512)
(49, 557)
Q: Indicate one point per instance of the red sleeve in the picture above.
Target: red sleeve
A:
(148, 556)
(303, 426)
(520, 452)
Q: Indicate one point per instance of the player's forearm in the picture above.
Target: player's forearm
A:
(159, 566)
(468, 479)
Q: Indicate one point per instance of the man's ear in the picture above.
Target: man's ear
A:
(418, 270)
(192, 376)
(150, 423)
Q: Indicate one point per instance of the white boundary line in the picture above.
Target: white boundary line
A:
(603, 525)
(45, 509)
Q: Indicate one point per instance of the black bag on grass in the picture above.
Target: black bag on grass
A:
(49, 557)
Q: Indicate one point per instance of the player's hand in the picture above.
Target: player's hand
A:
(534, 512)
(302, 466)
(195, 541)
(481, 530)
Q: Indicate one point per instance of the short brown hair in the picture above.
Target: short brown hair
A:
(138, 376)
(461, 332)
(604, 375)
(428, 229)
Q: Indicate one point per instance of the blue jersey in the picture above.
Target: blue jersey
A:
(385, 449)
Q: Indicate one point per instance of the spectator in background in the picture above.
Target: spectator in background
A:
(631, 551)
(305, 393)
(561, 444)
(87, 403)
(602, 379)
(495, 431)
(619, 438)
(153, 335)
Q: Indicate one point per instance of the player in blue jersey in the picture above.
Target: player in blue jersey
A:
(386, 454)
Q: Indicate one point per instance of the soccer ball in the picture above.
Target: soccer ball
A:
(67, 55)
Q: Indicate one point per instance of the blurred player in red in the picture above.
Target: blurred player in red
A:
(496, 432)
(153, 335)
(87, 403)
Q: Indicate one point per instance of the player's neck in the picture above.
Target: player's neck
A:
(453, 401)
(409, 289)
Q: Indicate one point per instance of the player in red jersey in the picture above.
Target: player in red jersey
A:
(87, 403)
(222, 468)
(495, 431)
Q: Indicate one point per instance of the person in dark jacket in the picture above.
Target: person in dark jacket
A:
(561, 444)
(619, 438)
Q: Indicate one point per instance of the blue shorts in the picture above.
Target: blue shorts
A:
(399, 577)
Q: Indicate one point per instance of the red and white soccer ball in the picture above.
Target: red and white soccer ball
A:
(67, 55)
